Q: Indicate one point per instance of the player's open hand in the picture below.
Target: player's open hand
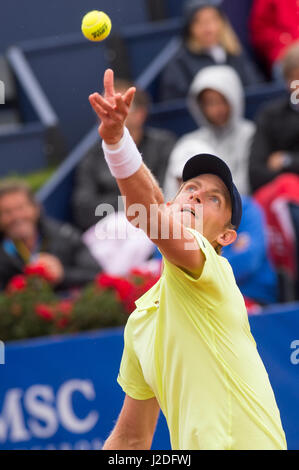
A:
(112, 109)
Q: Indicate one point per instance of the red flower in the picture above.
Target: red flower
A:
(38, 270)
(44, 311)
(65, 307)
(63, 310)
(150, 283)
(123, 287)
(130, 305)
(62, 322)
(139, 272)
(126, 291)
(105, 281)
(17, 284)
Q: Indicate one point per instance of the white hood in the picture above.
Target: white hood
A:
(223, 79)
(231, 143)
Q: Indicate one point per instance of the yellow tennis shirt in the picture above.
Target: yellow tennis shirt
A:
(188, 343)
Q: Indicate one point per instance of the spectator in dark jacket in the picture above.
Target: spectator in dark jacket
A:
(27, 237)
(94, 184)
(275, 147)
(208, 39)
(274, 25)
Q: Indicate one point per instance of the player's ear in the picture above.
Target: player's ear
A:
(227, 237)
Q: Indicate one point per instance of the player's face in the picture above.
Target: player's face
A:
(205, 196)
(206, 27)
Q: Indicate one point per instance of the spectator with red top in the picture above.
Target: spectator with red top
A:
(33, 243)
(274, 25)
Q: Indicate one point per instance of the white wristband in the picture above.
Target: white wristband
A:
(123, 158)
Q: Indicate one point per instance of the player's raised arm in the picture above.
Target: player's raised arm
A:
(135, 181)
(112, 109)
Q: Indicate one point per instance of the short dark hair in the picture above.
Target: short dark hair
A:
(11, 186)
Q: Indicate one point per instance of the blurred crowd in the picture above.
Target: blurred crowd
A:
(211, 71)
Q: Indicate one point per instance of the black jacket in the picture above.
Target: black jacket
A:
(277, 130)
(94, 184)
(62, 241)
(182, 69)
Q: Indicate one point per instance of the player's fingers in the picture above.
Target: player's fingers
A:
(121, 106)
(104, 103)
(97, 108)
(129, 96)
(109, 83)
(93, 98)
(114, 114)
(100, 112)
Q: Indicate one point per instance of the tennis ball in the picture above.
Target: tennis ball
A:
(96, 25)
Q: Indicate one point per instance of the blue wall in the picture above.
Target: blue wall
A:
(22, 150)
(69, 68)
(68, 72)
(34, 19)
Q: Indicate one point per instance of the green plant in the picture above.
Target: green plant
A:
(29, 307)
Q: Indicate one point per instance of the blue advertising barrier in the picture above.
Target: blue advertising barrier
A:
(277, 338)
(61, 393)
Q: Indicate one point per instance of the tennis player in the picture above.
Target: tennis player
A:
(188, 346)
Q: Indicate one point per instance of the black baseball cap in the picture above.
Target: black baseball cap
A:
(205, 163)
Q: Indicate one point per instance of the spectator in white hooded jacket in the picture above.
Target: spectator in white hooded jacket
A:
(216, 102)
